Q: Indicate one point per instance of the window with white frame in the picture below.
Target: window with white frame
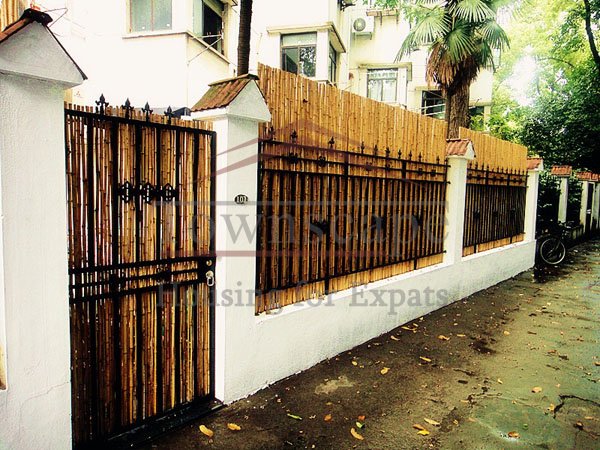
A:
(433, 104)
(333, 62)
(382, 85)
(208, 22)
(299, 53)
(150, 15)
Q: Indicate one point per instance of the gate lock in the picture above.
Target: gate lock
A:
(210, 278)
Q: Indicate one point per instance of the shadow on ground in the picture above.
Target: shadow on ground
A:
(516, 365)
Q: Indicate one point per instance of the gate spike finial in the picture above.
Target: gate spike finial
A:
(169, 114)
(147, 111)
(127, 107)
(101, 104)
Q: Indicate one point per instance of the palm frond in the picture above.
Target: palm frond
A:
(431, 25)
(471, 10)
(493, 34)
(460, 42)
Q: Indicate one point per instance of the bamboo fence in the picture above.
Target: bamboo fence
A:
(10, 11)
(317, 113)
(495, 154)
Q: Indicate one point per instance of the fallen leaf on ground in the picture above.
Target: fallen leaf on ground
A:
(354, 363)
(441, 337)
(461, 335)
(506, 333)
(356, 435)
(384, 370)
(514, 435)
(234, 427)
(500, 381)
(432, 422)
(360, 425)
(578, 425)
(416, 426)
(423, 432)
(394, 338)
(361, 418)
(425, 359)
(551, 407)
(293, 416)
(536, 389)
(597, 363)
(206, 431)
(327, 418)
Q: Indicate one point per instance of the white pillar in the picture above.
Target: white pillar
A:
(455, 206)
(531, 202)
(35, 356)
(563, 199)
(596, 206)
(235, 282)
(583, 205)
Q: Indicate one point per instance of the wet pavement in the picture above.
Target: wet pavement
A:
(515, 366)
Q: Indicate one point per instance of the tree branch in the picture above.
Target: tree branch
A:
(590, 34)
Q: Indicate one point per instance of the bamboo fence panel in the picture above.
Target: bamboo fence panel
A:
(495, 154)
(494, 209)
(10, 11)
(315, 114)
(138, 348)
(331, 219)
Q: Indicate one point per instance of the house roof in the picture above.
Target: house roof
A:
(457, 147)
(595, 177)
(31, 16)
(533, 163)
(561, 171)
(221, 93)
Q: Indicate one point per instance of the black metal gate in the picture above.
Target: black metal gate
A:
(141, 265)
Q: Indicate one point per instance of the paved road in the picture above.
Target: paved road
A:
(517, 365)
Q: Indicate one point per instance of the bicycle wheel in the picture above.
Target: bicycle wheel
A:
(552, 251)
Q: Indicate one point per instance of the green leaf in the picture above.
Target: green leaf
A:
(471, 10)
(293, 416)
(360, 425)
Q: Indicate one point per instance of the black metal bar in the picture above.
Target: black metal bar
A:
(138, 297)
(158, 253)
(114, 140)
(177, 345)
(136, 122)
(178, 189)
(91, 254)
(333, 151)
(133, 265)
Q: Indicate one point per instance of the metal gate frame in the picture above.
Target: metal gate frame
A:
(120, 277)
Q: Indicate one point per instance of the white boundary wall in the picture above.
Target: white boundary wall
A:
(255, 351)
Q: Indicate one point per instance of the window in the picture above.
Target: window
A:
(382, 85)
(332, 64)
(433, 104)
(208, 22)
(299, 53)
(150, 15)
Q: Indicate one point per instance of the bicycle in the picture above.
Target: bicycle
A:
(551, 249)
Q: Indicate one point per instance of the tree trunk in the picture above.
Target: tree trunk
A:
(590, 34)
(244, 37)
(458, 116)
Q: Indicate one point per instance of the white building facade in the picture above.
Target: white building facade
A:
(166, 52)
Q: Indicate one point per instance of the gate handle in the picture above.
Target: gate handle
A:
(210, 278)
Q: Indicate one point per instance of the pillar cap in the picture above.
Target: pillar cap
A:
(561, 171)
(460, 148)
(235, 97)
(535, 164)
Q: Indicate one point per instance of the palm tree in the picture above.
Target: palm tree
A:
(462, 36)
(244, 37)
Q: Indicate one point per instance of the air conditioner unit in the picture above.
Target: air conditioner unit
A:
(363, 25)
